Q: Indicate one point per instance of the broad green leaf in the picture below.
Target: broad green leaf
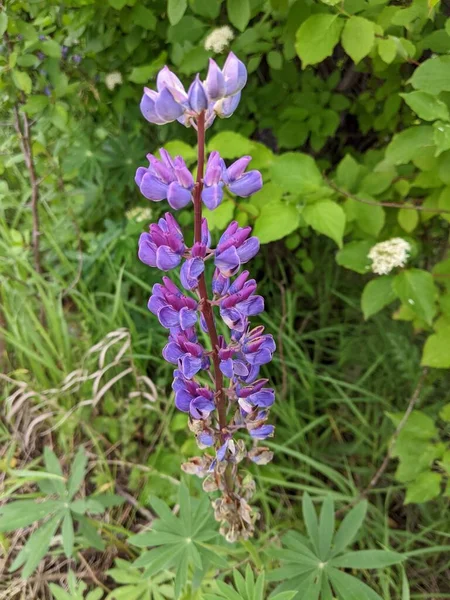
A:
(68, 534)
(175, 10)
(409, 144)
(370, 218)
(354, 256)
(350, 588)
(436, 351)
(35, 104)
(276, 220)
(230, 144)
(349, 527)
(3, 22)
(51, 48)
(77, 472)
(367, 559)
(433, 75)
(426, 106)
(408, 219)
(387, 49)
(348, 173)
(416, 289)
(317, 37)
(326, 217)
(415, 456)
(22, 513)
(180, 148)
(326, 527)
(419, 425)
(424, 488)
(36, 547)
(239, 13)
(377, 294)
(296, 173)
(310, 518)
(284, 596)
(358, 37)
(22, 81)
(441, 137)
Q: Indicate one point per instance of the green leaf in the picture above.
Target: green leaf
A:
(377, 294)
(317, 37)
(426, 106)
(416, 289)
(68, 535)
(276, 220)
(419, 425)
(239, 13)
(230, 144)
(90, 534)
(433, 75)
(180, 148)
(221, 216)
(358, 37)
(284, 596)
(36, 547)
(22, 513)
(326, 217)
(326, 527)
(408, 219)
(348, 173)
(370, 218)
(58, 593)
(349, 527)
(436, 351)
(354, 256)
(310, 518)
(441, 137)
(77, 472)
(22, 81)
(176, 10)
(387, 49)
(51, 48)
(296, 173)
(350, 588)
(35, 104)
(409, 144)
(3, 22)
(117, 4)
(367, 559)
(425, 487)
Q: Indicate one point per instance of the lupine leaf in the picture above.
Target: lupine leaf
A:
(67, 534)
(350, 588)
(77, 472)
(310, 518)
(22, 513)
(349, 527)
(367, 559)
(53, 466)
(326, 527)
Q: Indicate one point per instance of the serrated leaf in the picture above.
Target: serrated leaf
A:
(436, 351)
(176, 10)
(416, 289)
(230, 144)
(358, 37)
(276, 220)
(424, 488)
(387, 49)
(239, 13)
(317, 37)
(426, 106)
(433, 75)
(409, 144)
(296, 173)
(326, 217)
(377, 294)
(354, 256)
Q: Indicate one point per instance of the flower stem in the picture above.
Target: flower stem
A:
(206, 305)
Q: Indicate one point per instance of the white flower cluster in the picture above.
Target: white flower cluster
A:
(113, 79)
(387, 255)
(219, 39)
(139, 214)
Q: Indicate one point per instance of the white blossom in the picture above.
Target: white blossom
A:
(113, 79)
(387, 255)
(219, 39)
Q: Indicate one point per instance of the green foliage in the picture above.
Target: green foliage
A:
(76, 591)
(311, 565)
(61, 512)
(247, 588)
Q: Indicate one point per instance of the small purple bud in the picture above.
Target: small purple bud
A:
(197, 96)
(215, 81)
(225, 108)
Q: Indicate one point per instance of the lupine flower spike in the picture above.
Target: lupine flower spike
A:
(233, 413)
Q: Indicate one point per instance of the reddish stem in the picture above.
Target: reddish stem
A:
(206, 307)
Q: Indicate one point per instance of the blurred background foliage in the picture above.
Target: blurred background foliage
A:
(346, 113)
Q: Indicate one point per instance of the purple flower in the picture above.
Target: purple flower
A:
(240, 183)
(220, 283)
(256, 396)
(235, 75)
(256, 347)
(64, 51)
(191, 398)
(167, 178)
(76, 59)
(173, 309)
(212, 192)
(241, 303)
(184, 350)
(194, 266)
(262, 432)
(231, 367)
(235, 247)
(163, 246)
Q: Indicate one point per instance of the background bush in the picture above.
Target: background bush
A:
(346, 113)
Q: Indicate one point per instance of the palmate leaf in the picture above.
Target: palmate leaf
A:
(22, 513)
(137, 585)
(177, 540)
(77, 472)
(244, 588)
(350, 588)
(349, 527)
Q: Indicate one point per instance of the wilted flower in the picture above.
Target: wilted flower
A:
(387, 255)
(219, 39)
